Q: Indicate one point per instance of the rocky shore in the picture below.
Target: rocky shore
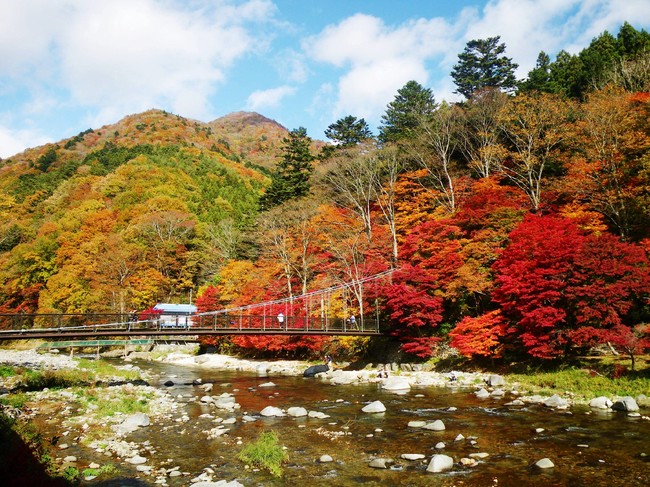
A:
(78, 423)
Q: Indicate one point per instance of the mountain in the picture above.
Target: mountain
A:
(155, 199)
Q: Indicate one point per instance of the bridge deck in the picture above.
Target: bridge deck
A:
(241, 326)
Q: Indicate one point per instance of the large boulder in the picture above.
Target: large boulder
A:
(395, 384)
(495, 381)
(270, 411)
(315, 369)
(440, 463)
(626, 403)
(297, 412)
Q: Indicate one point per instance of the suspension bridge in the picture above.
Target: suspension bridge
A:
(349, 309)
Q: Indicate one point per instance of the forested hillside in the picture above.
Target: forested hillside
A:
(518, 220)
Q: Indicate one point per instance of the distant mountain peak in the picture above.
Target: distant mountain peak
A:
(243, 119)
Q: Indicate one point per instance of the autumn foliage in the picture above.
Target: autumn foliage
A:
(543, 253)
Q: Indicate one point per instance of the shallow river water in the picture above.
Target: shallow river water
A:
(588, 448)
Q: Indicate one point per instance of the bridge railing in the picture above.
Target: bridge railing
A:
(26, 325)
(277, 323)
(27, 321)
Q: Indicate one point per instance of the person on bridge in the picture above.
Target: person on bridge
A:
(352, 321)
(281, 319)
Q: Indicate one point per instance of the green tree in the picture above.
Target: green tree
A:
(411, 106)
(566, 75)
(483, 65)
(539, 78)
(291, 178)
(348, 131)
(631, 42)
(597, 60)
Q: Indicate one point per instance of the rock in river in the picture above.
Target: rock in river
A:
(381, 462)
(131, 423)
(482, 393)
(269, 411)
(556, 401)
(374, 407)
(436, 425)
(395, 384)
(412, 456)
(495, 380)
(544, 463)
(600, 402)
(297, 412)
(440, 463)
(626, 403)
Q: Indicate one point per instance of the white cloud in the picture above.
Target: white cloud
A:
(14, 141)
(130, 55)
(292, 66)
(365, 90)
(270, 98)
(378, 59)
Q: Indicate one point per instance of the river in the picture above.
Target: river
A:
(588, 448)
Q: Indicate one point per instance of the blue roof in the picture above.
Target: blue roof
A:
(175, 308)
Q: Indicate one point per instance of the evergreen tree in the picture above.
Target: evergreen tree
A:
(483, 65)
(631, 42)
(566, 75)
(412, 105)
(597, 60)
(539, 78)
(291, 178)
(348, 131)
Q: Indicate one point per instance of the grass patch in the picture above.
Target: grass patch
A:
(88, 372)
(36, 380)
(103, 369)
(265, 453)
(107, 469)
(104, 404)
(584, 383)
(7, 371)
(16, 400)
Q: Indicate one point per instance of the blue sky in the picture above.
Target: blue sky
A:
(70, 65)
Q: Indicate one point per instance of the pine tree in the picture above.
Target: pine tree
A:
(483, 65)
(412, 105)
(348, 131)
(291, 178)
(539, 78)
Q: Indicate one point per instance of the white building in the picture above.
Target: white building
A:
(175, 315)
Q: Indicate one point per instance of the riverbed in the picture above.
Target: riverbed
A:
(499, 442)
